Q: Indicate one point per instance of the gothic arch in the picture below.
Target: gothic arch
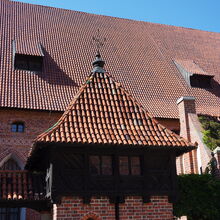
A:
(91, 216)
(12, 154)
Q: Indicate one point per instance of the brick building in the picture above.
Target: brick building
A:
(45, 56)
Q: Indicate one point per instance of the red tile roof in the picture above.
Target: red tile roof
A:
(104, 112)
(139, 54)
(21, 185)
(191, 67)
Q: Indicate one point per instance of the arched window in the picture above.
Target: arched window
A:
(10, 213)
(17, 127)
(10, 164)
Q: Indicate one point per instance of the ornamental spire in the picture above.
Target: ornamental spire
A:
(98, 63)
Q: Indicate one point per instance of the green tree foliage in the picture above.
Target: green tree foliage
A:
(199, 197)
(211, 133)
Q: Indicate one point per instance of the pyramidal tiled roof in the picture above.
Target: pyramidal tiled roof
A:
(104, 112)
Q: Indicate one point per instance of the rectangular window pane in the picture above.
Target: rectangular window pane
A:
(14, 127)
(106, 165)
(123, 166)
(20, 128)
(21, 63)
(9, 213)
(135, 166)
(94, 165)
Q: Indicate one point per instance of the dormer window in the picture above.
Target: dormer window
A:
(27, 57)
(193, 74)
(28, 62)
(17, 127)
(200, 81)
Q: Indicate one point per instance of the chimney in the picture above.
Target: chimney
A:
(186, 106)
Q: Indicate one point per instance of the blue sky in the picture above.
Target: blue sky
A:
(198, 14)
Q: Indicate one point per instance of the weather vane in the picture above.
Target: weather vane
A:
(98, 41)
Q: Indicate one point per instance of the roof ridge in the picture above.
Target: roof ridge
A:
(50, 130)
(115, 17)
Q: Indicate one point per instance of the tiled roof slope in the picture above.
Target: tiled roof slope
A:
(104, 112)
(140, 54)
(192, 67)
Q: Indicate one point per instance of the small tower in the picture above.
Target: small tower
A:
(107, 156)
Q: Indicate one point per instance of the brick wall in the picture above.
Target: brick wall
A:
(190, 129)
(19, 143)
(186, 105)
(72, 208)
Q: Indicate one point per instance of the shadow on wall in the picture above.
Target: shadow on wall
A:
(53, 74)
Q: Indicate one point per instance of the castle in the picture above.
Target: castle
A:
(172, 72)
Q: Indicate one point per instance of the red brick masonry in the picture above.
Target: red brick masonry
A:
(72, 208)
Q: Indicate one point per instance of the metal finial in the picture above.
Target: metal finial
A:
(98, 41)
(98, 64)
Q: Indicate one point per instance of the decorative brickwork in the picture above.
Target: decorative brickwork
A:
(91, 216)
(72, 208)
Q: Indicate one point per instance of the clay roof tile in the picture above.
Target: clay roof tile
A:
(91, 125)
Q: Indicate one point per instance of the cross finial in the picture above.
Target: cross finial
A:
(99, 41)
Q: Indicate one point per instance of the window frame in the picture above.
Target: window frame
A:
(101, 165)
(17, 124)
(28, 59)
(129, 165)
(200, 81)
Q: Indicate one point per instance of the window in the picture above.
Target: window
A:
(10, 213)
(200, 81)
(10, 164)
(129, 165)
(100, 165)
(194, 75)
(17, 127)
(28, 62)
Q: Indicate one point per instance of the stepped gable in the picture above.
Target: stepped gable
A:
(103, 112)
